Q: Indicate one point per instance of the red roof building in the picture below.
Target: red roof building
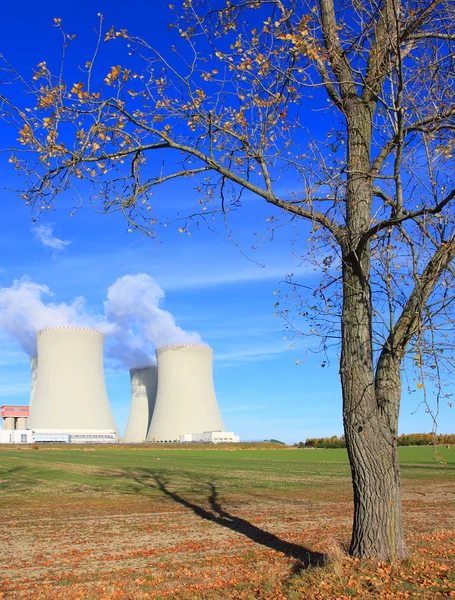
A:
(9, 410)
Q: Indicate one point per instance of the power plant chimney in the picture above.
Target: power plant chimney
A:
(34, 371)
(144, 383)
(185, 399)
(70, 394)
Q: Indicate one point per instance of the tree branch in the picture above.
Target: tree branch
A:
(380, 52)
(338, 59)
(407, 324)
(404, 217)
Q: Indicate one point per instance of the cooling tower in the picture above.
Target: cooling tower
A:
(185, 399)
(34, 370)
(143, 395)
(70, 393)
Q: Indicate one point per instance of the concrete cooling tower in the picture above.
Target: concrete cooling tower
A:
(185, 399)
(143, 395)
(70, 394)
(34, 371)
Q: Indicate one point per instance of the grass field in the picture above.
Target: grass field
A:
(147, 522)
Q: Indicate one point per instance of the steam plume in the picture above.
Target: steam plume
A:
(23, 311)
(133, 306)
(133, 321)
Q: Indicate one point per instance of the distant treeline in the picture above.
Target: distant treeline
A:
(407, 439)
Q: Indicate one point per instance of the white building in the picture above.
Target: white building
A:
(15, 436)
(27, 436)
(210, 437)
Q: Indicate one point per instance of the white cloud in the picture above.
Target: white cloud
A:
(44, 234)
(252, 353)
(211, 278)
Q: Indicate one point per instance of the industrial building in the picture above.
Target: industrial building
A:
(70, 397)
(144, 384)
(16, 436)
(15, 425)
(15, 417)
(210, 437)
(185, 398)
(69, 403)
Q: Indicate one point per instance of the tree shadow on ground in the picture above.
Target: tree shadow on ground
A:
(305, 557)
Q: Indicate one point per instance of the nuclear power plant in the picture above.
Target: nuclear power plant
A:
(144, 384)
(70, 397)
(185, 399)
(173, 401)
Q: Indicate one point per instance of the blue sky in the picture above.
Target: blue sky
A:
(210, 287)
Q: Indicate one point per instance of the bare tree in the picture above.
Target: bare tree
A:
(371, 172)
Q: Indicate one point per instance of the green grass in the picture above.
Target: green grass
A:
(110, 470)
(171, 522)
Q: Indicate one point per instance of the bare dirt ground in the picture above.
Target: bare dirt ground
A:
(179, 545)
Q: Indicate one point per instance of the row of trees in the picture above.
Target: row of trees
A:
(406, 439)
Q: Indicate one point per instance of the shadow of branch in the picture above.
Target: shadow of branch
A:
(306, 558)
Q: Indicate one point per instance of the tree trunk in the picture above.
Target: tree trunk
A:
(370, 415)
(377, 529)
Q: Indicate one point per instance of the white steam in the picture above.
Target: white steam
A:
(23, 311)
(133, 322)
(133, 305)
